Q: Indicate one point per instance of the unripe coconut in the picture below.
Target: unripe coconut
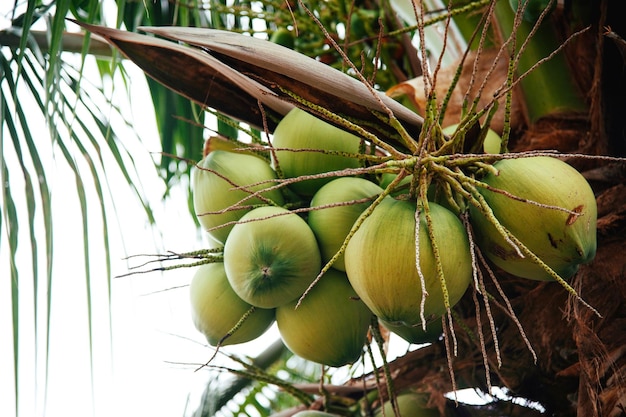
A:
(212, 191)
(329, 326)
(415, 334)
(381, 262)
(401, 188)
(562, 240)
(271, 257)
(410, 404)
(216, 308)
(332, 225)
(284, 37)
(301, 130)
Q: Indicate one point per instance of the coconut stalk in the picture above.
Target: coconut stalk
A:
(472, 21)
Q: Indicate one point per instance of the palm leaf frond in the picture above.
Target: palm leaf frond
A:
(39, 89)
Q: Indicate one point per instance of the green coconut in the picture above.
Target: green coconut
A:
(410, 404)
(332, 225)
(381, 262)
(329, 326)
(563, 240)
(271, 257)
(214, 181)
(300, 130)
(491, 144)
(416, 334)
(401, 188)
(216, 308)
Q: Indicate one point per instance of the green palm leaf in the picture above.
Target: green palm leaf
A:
(40, 87)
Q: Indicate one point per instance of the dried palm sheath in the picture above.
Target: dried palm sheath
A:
(236, 74)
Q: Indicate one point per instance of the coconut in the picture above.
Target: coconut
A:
(299, 130)
(410, 404)
(332, 225)
(561, 239)
(271, 257)
(329, 326)
(381, 262)
(216, 308)
(214, 182)
(491, 143)
(403, 187)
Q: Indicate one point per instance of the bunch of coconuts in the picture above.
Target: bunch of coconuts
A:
(319, 239)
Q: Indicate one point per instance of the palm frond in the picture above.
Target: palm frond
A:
(51, 116)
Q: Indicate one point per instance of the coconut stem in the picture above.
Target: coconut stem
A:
(418, 267)
(481, 337)
(509, 306)
(387, 372)
(479, 285)
(255, 373)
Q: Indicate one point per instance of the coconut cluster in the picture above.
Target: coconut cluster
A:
(320, 240)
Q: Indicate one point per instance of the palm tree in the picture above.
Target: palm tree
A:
(568, 366)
